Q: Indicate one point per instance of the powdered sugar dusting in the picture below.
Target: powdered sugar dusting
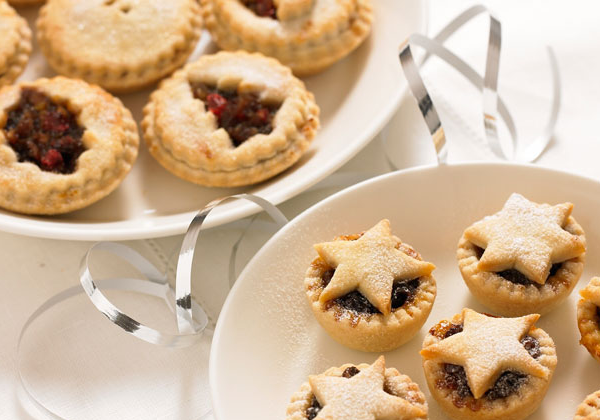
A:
(361, 397)
(527, 237)
(369, 264)
(486, 347)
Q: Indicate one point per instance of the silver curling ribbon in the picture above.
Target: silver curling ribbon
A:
(492, 103)
(191, 318)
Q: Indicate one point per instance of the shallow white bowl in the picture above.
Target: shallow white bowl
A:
(267, 341)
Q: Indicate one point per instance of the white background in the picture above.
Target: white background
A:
(33, 270)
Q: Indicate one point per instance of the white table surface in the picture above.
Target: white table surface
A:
(84, 368)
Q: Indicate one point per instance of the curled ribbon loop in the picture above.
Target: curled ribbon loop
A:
(192, 321)
(492, 103)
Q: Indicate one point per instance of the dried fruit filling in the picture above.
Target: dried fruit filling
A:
(455, 378)
(515, 276)
(313, 409)
(242, 115)
(44, 132)
(402, 292)
(262, 8)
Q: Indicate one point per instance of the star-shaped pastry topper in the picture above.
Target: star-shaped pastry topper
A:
(592, 291)
(527, 237)
(370, 265)
(487, 347)
(360, 397)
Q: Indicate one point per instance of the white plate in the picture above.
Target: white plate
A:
(267, 341)
(357, 96)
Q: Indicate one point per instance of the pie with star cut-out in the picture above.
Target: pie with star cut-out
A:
(589, 409)
(305, 35)
(524, 259)
(64, 144)
(15, 44)
(230, 119)
(358, 392)
(588, 317)
(482, 367)
(370, 291)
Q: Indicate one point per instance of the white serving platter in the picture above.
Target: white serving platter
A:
(357, 97)
(267, 341)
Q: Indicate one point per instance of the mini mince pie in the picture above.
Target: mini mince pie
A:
(589, 409)
(121, 45)
(358, 392)
(482, 367)
(588, 317)
(230, 119)
(306, 35)
(64, 144)
(15, 44)
(370, 291)
(524, 259)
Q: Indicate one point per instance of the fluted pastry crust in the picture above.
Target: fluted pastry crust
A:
(183, 135)
(516, 406)
(395, 383)
(589, 409)
(308, 36)
(15, 44)
(588, 317)
(376, 332)
(119, 45)
(110, 138)
(514, 299)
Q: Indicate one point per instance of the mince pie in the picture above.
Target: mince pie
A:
(306, 35)
(15, 44)
(230, 119)
(589, 409)
(64, 144)
(524, 259)
(358, 392)
(588, 317)
(370, 291)
(482, 367)
(121, 45)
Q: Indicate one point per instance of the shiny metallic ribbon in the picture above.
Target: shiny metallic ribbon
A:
(492, 104)
(191, 318)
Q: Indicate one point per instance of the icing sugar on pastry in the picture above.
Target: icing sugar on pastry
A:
(486, 347)
(525, 236)
(360, 397)
(369, 265)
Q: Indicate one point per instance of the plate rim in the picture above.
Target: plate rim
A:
(218, 331)
(114, 230)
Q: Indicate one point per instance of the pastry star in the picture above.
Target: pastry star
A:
(592, 291)
(486, 348)
(525, 236)
(369, 264)
(360, 397)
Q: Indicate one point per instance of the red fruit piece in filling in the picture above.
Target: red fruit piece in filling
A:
(216, 103)
(44, 132)
(52, 160)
